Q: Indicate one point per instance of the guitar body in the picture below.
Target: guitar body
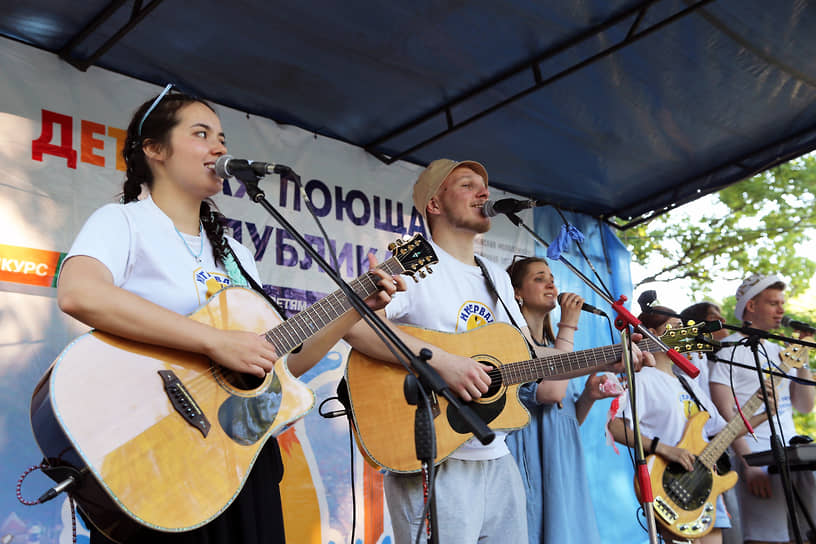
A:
(102, 413)
(685, 502)
(384, 421)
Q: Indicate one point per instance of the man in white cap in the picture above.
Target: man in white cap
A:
(479, 492)
(763, 513)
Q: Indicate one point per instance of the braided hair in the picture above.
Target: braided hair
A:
(156, 129)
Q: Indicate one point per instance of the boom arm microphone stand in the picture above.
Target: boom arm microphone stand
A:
(753, 338)
(423, 378)
(623, 321)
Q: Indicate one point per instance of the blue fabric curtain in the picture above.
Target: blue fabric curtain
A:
(609, 475)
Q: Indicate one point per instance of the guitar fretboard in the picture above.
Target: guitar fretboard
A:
(736, 426)
(564, 363)
(292, 332)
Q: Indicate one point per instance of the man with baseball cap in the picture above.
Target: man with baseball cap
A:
(761, 301)
(479, 493)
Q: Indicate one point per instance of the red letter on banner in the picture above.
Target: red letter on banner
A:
(89, 143)
(120, 136)
(43, 143)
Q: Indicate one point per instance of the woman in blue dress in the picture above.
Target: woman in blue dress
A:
(548, 451)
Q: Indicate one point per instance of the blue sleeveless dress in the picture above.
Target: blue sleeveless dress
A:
(551, 461)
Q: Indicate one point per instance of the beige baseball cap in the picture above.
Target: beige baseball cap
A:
(431, 179)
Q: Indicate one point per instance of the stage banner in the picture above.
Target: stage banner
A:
(61, 135)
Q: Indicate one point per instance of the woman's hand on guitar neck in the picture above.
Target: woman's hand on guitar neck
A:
(242, 351)
(388, 285)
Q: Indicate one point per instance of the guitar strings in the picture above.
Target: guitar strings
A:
(284, 335)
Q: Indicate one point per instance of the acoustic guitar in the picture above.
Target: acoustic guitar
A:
(165, 439)
(384, 422)
(685, 502)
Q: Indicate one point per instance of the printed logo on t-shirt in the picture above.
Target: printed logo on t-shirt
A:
(688, 405)
(473, 315)
(211, 282)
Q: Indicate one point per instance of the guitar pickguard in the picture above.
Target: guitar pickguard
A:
(688, 490)
(247, 419)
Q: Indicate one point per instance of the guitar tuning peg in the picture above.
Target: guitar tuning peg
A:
(429, 269)
(391, 247)
(422, 274)
(414, 278)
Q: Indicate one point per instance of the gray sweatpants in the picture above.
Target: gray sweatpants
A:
(476, 502)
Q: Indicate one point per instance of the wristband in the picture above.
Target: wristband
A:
(653, 447)
(564, 339)
(564, 325)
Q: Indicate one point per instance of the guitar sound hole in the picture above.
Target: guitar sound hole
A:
(243, 382)
(496, 383)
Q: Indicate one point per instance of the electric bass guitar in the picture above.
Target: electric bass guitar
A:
(384, 422)
(151, 437)
(685, 502)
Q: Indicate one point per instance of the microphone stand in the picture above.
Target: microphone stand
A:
(754, 336)
(623, 321)
(424, 378)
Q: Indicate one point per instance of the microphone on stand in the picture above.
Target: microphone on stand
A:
(585, 307)
(492, 208)
(226, 167)
(798, 325)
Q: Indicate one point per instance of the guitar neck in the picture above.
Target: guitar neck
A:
(566, 364)
(735, 427)
(300, 327)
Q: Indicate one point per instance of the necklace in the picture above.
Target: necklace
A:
(197, 257)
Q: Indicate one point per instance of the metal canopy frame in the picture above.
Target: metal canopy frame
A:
(532, 65)
(628, 22)
(137, 14)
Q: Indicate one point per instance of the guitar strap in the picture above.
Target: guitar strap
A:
(492, 288)
(260, 290)
(723, 463)
(690, 391)
(254, 284)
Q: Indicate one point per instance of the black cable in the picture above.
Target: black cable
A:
(329, 248)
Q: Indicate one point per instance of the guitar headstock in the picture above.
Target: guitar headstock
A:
(688, 338)
(414, 255)
(793, 356)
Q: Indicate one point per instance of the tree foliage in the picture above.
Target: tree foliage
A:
(752, 226)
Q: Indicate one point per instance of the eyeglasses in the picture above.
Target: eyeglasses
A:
(516, 259)
(153, 106)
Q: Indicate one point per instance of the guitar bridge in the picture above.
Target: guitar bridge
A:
(664, 510)
(183, 402)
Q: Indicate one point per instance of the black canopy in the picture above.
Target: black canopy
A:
(612, 108)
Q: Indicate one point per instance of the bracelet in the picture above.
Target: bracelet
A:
(653, 447)
(564, 340)
(565, 326)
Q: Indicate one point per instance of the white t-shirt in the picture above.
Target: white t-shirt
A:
(455, 298)
(700, 360)
(746, 383)
(145, 254)
(664, 406)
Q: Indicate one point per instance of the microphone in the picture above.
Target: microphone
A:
(226, 167)
(797, 325)
(585, 307)
(492, 208)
